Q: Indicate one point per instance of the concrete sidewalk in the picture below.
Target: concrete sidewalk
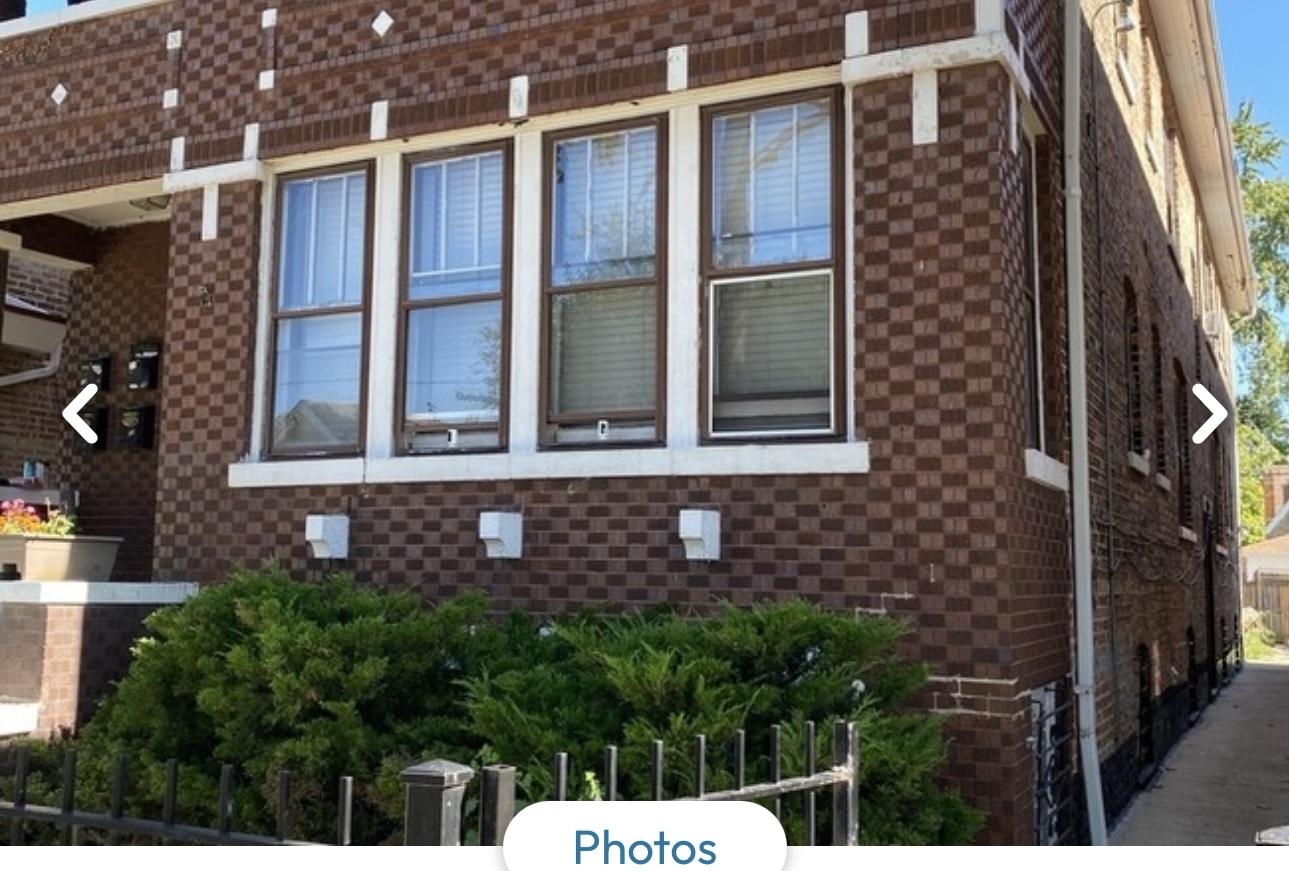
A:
(1228, 778)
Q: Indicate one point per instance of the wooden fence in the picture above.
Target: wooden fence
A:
(1269, 594)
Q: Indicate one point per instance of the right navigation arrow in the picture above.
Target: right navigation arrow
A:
(1219, 414)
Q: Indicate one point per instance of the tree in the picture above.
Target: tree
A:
(1262, 340)
(1257, 453)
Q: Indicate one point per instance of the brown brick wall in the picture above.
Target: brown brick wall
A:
(440, 66)
(945, 529)
(22, 642)
(29, 413)
(1150, 582)
(119, 302)
(86, 649)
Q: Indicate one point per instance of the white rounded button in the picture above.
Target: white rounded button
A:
(676, 835)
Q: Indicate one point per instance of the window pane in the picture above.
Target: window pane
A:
(454, 363)
(772, 185)
(773, 354)
(456, 229)
(317, 393)
(323, 242)
(605, 202)
(603, 347)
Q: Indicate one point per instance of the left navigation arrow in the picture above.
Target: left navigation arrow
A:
(72, 413)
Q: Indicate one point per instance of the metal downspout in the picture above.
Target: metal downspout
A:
(1084, 641)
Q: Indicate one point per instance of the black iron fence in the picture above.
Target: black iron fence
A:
(438, 793)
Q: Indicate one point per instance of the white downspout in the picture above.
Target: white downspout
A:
(1084, 641)
(50, 368)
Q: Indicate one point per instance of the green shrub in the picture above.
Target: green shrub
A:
(331, 679)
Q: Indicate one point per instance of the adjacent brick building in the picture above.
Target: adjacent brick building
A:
(800, 264)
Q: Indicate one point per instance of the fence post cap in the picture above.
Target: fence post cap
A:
(438, 773)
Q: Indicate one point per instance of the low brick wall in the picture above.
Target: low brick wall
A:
(65, 644)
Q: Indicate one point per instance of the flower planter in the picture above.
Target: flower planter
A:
(60, 557)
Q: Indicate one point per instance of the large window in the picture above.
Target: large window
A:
(1034, 428)
(319, 313)
(771, 259)
(455, 284)
(604, 263)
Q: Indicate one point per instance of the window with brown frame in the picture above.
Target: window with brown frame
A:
(455, 286)
(771, 263)
(320, 312)
(602, 279)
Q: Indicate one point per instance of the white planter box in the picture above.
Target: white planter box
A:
(60, 557)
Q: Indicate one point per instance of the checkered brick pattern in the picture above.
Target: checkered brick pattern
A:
(1037, 26)
(945, 530)
(106, 130)
(906, 23)
(1150, 582)
(86, 649)
(119, 302)
(441, 65)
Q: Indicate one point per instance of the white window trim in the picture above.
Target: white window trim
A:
(711, 326)
(1139, 462)
(1043, 469)
(683, 453)
(1031, 133)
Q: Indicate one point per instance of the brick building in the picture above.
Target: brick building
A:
(803, 265)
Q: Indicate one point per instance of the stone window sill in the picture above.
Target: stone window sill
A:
(1044, 470)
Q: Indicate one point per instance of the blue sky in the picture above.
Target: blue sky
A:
(1254, 35)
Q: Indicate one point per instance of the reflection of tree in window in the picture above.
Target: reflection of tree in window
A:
(318, 313)
(772, 270)
(454, 298)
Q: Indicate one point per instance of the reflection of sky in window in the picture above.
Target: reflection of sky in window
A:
(35, 7)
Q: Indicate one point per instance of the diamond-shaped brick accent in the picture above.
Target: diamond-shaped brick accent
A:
(384, 21)
(58, 94)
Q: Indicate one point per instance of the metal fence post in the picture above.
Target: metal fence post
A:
(496, 805)
(845, 795)
(435, 793)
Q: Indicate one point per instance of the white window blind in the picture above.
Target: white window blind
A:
(772, 186)
(605, 203)
(323, 242)
(604, 347)
(456, 227)
(317, 398)
(773, 353)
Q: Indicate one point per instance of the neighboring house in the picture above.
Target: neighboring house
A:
(1264, 566)
(800, 264)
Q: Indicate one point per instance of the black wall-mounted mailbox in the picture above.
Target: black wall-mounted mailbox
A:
(144, 367)
(137, 425)
(97, 371)
(96, 419)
